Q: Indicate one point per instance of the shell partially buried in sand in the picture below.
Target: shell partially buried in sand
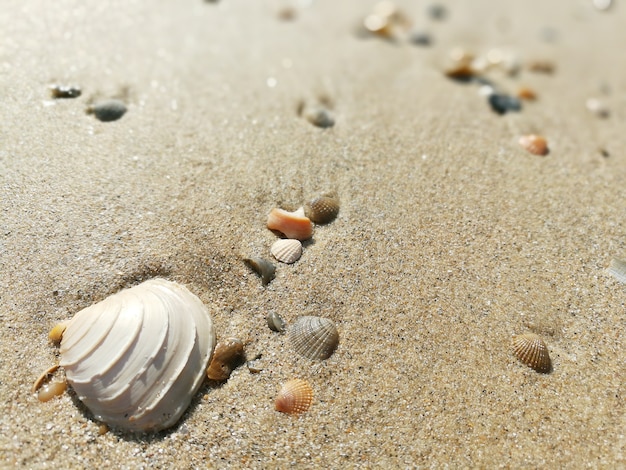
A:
(535, 144)
(137, 358)
(315, 338)
(322, 209)
(530, 349)
(293, 225)
(294, 397)
(287, 250)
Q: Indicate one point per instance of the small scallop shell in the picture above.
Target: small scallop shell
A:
(228, 355)
(287, 250)
(314, 337)
(322, 209)
(137, 358)
(293, 224)
(294, 397)
(263, 268)
(275, 322)
(107, 111)
(532, 351)
(535, 144)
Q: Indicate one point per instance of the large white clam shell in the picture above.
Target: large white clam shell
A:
(137, 358)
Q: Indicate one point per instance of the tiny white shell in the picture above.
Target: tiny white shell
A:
(286, 250)
(617, 269)
(137, 358)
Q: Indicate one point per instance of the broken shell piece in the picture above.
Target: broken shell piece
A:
(535, 144)
(294, 397)
(525, 93)
(617, 269)
(263, 268)
(597, 107)
(319, 116)
(51, 390)
(228, 355)
(64, 91)
(56, 333)
(532, 351)
(292, 224)
(275, 322)
(315, 338)
(287, 250)
(107, 111)
(322, 209)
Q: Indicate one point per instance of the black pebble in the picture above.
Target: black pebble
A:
(108, 111)
(502, 103)
(420, 38)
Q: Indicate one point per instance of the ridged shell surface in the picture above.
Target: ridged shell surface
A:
(322, 209)
(294, 397)
(532, 351)
(137, 358)
(314, 337)
(287, 250)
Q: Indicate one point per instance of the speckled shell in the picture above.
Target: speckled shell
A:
(287, 250)
(314, 337)
(294, 397)
(532, 351)
(292, 224)
(138, 357)
(535, 144)
(322, 209)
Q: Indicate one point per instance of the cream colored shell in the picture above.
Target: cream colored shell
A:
(138, 357)
(286, 250)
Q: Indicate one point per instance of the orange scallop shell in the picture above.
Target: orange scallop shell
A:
(292, 224)
(294, 397)
(535, 144)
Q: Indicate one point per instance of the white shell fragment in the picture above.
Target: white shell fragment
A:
(617, 269)
(286, 250)
(137, 358)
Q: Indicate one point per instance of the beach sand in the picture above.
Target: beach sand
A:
(450, 239)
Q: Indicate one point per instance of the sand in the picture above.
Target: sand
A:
(451, 238)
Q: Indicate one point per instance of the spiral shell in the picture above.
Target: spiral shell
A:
(286, 250)
(292, 224)
(535, 144)
(322, 209)
(314, 337)
(137, 358)
(532, 351)
(294, 397)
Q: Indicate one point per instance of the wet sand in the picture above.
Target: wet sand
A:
(451, 238)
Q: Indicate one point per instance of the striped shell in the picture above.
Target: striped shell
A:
(314, 337)
(532, 351)
(322, 209)
(535, 144)
(138, 357)
(286, 250)
(294, 397)
(292, 224)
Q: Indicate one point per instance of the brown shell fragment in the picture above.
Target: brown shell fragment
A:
(535, 144)
(322, 209)
(294, 397)
(51, 390)
(315, 338)
(228, 355)
(530, 349)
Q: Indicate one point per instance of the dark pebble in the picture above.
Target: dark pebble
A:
(420, 38)
(437, 11)
(64, 91)
(502, 103)
(107, 111)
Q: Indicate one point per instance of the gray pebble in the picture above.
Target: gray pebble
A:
(107, 111)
